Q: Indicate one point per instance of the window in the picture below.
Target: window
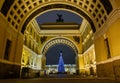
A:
(107, 48)
(25, 41)
(7, 49)
(31, 30)
(30, 44)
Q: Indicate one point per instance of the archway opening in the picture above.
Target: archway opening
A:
(53, 55)
(42, 33)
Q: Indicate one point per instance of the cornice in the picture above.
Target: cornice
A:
(109, 60)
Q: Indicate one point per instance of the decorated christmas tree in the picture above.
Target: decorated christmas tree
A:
(61, 68)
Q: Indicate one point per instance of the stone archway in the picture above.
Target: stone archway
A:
(59, 40)
(62, 41)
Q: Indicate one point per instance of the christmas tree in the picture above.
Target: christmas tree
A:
(61, 68)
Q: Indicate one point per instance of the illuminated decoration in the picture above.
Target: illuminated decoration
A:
(61, 68)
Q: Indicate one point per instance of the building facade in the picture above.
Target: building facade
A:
(24, 43)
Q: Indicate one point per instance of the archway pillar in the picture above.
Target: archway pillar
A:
(39, 62)
(81, 64)
(43, 63)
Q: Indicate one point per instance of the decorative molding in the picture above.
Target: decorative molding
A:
(24, 46)
(44, 33)
(57, 40)
(36, 26)
(90, 48)
(9, 62)
(109, 60)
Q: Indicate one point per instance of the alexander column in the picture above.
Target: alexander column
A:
(61, 68)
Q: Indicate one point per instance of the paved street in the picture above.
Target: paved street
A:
(60, 80)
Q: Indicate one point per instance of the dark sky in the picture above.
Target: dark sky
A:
(51, 16)
(52, 55)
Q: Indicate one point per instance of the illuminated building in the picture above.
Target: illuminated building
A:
(95, 40)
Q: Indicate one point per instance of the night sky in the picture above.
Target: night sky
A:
(51, 16)
(53, 53)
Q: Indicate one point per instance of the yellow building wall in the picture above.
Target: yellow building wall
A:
(15, 52)
(81, 64)
(114, 38)
(109, 67)
(100, 49)
(8, 32)
(117, 2)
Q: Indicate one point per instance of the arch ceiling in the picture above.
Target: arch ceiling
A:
(20, 12)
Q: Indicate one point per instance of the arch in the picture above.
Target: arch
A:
(59, 40)
(19, 11)
(53, 6)
(53, 54)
